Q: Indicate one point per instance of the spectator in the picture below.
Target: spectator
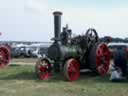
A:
(116, 75)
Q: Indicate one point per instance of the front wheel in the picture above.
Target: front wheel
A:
(72, 69)
(43, 69)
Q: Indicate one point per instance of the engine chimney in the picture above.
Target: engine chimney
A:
(57, 25)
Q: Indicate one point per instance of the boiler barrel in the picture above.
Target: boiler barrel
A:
(70, 51)
(60, 52)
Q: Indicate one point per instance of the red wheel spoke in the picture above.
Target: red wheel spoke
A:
(70, 69)
(106, 53)
(103, 71)
(5, 61)
(6, 54)
(100, 53)
(99, 67)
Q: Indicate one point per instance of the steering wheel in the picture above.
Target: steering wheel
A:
(91, 37)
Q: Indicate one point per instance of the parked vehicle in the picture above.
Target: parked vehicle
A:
(14, 52)
(20, 52)
(24, 51)
(114, 46)
(38, 50)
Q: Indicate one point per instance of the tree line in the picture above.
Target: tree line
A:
(112, 39)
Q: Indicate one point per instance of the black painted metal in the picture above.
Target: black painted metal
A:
(57, 25)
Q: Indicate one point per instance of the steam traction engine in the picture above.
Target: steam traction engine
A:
(71, 54)
(5, 56)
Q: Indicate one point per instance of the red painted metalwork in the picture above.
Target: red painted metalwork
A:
(4, 56)
(43, 69)
(102, 59)
(72, 70)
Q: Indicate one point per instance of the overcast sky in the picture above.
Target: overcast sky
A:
(32, 20)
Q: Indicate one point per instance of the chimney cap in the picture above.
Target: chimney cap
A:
(56, 13)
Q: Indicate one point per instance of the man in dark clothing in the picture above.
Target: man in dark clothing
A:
(120, 60)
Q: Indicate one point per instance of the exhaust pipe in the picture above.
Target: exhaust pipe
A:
(57, 25)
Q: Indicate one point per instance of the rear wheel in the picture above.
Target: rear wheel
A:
(72, 69)
(4, 56)
(43, 69)
(99, 59)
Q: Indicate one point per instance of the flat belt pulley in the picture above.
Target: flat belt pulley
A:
(91, 37)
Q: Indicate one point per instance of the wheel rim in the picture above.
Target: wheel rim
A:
(72, 70)
(43, 69)
(102, 59)
(4, 56)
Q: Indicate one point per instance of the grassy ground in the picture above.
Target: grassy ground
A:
(21, 81)
(22, 61)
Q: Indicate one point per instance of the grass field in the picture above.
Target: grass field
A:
(21, 81)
